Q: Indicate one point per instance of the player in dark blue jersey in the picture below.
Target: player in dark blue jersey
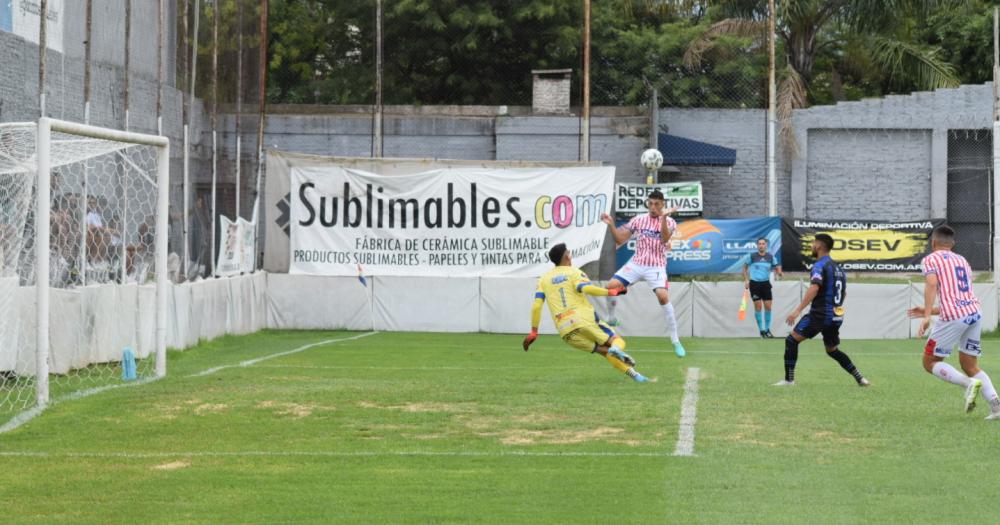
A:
(826, 294)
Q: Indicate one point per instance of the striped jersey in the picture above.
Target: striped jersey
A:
(955, 295)
(650, 250)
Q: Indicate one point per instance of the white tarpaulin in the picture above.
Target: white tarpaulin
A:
(457, 222)
(238, 253)
(429, 304)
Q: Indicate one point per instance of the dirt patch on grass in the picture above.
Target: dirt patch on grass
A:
(293, 410)
(210, 408)
(557, 437)
(453, 408)
(173, 465)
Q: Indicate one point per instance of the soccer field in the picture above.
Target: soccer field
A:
(467, 428)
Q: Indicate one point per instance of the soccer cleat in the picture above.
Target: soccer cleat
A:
(768, 334)
(679, 349)
(613, 321)
(970, 394)
(763, 334)
(636, 376)
(993, 416)
(864, 382)
(621, 356)
(784, 382)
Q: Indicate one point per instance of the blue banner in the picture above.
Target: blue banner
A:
(6, 16)
(714, 245)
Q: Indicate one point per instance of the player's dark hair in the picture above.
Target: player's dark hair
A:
(943, 235)
(826, 240)
(656, 194)
(764, 239)
(556, 253)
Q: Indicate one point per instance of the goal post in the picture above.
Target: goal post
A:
(84, 224)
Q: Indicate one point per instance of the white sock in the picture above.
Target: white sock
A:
(671, 322)
(612, 303)
(948, 373)
(989, 392)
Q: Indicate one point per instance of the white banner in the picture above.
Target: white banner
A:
(630, 199)
(456, 222)
(238, 247)
(22, 18)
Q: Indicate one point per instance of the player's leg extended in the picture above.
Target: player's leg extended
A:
(831, 340)
(614, 351)
(616, 282)
(940, 342)
(806, 329)
(969, 351)
(668, 311)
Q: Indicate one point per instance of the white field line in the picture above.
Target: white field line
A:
(33, 412)
(331, 454)
(689, 415)
(303, 348)
(427, 368)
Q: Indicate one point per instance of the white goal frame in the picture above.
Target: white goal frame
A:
(44, 130)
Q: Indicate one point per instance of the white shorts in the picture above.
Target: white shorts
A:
(962, 332)
(632, 273)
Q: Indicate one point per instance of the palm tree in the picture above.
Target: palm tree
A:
(851, 31)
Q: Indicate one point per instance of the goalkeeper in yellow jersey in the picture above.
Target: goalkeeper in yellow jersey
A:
(565, 288)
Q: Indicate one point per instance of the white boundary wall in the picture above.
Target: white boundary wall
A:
(119, 315)
(503, 304)
(124, 315)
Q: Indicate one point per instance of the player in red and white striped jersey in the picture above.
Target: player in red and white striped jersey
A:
(652, 232)
(948, 278)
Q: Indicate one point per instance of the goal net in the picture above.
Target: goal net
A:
(83, 230)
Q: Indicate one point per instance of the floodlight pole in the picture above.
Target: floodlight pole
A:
(585, 113)
(772, 179)
(996, 145)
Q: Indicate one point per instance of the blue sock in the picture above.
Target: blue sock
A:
(767, 320)
(760, 322)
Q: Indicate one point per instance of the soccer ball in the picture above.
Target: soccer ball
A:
(651, 159)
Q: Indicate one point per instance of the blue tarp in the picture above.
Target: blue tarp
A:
(679, 151)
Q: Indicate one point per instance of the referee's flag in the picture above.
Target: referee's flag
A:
(743, 305)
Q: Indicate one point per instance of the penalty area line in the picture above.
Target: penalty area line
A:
(689, 414)
(303, 348)
(332, 454)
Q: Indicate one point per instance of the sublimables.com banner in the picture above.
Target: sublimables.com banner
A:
(455, 222)
(860, 246)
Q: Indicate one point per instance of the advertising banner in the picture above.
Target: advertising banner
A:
(453, 223)
(630, 199)
(703, 246)
(860, 246)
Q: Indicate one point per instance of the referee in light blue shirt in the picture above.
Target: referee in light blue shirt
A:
(757, 268)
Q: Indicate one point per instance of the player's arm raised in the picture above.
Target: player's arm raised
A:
(536, 318)
(810, 295)
(667, 225)
(621, 234)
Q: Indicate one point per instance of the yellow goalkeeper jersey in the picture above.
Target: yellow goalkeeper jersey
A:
(561, 288)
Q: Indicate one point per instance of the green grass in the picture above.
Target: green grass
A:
(467, 428)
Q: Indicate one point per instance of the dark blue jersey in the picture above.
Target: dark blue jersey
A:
(829, 302)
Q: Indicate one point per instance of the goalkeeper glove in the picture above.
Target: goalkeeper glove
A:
(530, 339)
(614, 292)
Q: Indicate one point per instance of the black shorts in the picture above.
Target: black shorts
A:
(811, 325)
(760, 290)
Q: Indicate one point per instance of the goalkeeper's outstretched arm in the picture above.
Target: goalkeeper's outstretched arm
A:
(536, 318)
(600, 291)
